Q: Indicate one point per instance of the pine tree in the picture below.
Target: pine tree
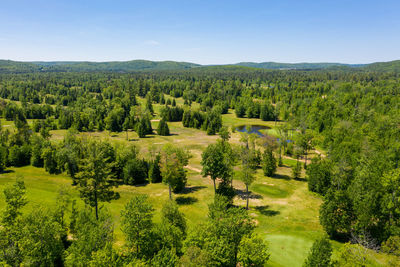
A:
(163, 128)
(95, 179)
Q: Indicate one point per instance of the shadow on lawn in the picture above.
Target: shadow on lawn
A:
(7, 171)
(243, 194)
(185, 200)
(264, 210)
(192, 189)
(281, 176)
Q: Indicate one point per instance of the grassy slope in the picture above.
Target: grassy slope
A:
(285, 211)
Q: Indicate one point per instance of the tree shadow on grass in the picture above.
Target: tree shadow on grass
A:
(301, 179)
(192, 189)
(7, 171)
(243, 194)
(185, 200)
(281, 176)
(264, 210)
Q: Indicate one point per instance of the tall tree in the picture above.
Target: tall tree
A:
(216, 163)
(95, 178)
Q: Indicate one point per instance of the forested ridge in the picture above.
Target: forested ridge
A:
(9, 66)
(350, 116)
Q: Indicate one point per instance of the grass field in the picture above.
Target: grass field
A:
(285, 211)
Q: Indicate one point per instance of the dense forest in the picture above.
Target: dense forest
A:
(350, 115)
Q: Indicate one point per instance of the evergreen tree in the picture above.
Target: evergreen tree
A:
(163, 128)
(95, 178)
(154, 170)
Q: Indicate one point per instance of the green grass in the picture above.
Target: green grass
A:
(269, 190)
(285, 212)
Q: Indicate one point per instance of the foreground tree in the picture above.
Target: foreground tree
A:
(320, 254)
(137, 225)
(10, 233)
(253, 251)
(95, 178)
(91, 236)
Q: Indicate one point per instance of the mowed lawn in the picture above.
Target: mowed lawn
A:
(285, 212)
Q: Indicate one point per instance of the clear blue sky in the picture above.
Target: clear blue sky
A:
(205, 32)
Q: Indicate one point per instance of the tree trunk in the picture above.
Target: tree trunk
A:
(96, 205)
(305, 162)
(247, 192)
(215, 189)
(170, 193)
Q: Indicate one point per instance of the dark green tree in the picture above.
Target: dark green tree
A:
(95, 178)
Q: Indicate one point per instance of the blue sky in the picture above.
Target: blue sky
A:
(205, 32)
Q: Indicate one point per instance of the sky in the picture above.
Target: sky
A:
(201, 31)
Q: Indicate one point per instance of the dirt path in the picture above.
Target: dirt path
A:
(193, 169)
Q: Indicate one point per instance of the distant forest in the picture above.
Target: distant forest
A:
(351, 112)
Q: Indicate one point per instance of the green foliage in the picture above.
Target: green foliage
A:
(15, 199)
(135, 172)
(41, 239)
(137, 226)
(268, 163)
(165, 257)
(172, 215)
(105, 257)
(221, 236)
(336, 214)
(163, 128)
(217, 162)
(296, 170)
(352, 256)
(320, 254)
(253, 251)
(319, 175)
(91, 235)
(95, 178)
(173, 159)
(392, 245)
(154, 170)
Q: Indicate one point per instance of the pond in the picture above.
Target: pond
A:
(252, 129)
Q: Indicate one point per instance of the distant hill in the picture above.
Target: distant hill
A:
(9, 66)
(297, 66)
(391, 66)
(118, 66)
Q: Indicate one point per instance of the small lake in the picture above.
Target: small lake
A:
(252, 129)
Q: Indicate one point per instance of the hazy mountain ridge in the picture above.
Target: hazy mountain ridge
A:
(9, 66)
(301, 66)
